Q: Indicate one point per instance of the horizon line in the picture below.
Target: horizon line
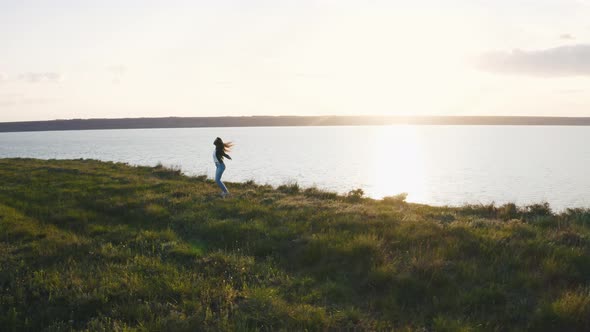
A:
(284, 121)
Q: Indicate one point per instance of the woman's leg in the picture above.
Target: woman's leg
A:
(218, 174)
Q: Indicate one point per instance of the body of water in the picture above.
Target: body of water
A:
(438, 165)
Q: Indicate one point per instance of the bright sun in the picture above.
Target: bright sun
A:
(398, 163)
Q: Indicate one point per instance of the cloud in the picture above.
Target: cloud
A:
(566, 36)
(40, 77)
(553, 62)
(15, 99)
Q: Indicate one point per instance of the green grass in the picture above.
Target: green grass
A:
(94, 246)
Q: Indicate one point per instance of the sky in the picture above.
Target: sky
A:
(139, 58)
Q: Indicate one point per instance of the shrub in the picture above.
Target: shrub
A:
(355, 195)
(508, 211)
(537, 210)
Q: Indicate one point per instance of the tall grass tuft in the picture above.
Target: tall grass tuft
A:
(167, 172)
(289, 188)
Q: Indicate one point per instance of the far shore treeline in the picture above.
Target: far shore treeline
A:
(274, 121)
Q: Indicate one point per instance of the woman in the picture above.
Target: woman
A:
(220, 152)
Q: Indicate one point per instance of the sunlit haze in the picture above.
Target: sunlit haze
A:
(112, 59)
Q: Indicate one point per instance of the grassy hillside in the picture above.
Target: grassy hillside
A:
(88, 245)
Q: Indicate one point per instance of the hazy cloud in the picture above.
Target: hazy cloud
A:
(553, 62)
(15, 99)
(40, 77)
(566, 36)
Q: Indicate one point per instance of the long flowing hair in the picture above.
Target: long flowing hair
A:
(225, 146)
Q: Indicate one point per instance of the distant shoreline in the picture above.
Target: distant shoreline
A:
(277, 121)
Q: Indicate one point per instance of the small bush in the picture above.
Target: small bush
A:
(537, 210)
(508, 211)
(355, 195)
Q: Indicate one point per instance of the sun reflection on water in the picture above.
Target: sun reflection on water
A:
(398, 163)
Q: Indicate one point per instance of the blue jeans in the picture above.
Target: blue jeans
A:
(218, 174)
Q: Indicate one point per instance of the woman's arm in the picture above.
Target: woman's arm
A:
(227, 156)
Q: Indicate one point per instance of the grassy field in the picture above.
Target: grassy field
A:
(89, 245)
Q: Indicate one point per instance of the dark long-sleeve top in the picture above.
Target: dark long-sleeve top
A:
(218, 155)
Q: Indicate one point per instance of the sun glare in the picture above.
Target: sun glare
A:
(398, 163)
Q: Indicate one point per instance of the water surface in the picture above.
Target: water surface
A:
(436, 165)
